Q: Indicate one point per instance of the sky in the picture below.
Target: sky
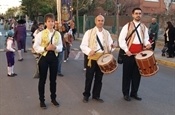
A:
(5, 4)
(10, 2)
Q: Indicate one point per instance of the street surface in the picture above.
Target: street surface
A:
(19, 95)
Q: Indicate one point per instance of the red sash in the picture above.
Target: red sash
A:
(136, 48)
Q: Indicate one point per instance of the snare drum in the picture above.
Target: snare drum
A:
(107, 63)
(146, 63)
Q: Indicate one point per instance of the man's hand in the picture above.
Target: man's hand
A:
(128, 53)
(92, 52)
(148, 46)
(51, 47)
(114, 45)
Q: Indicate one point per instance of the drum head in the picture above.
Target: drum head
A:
(105, 59)
(144, 54)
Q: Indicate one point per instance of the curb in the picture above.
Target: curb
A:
(166, 63)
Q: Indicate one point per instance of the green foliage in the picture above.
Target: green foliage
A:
(34, 8)
(11, 12)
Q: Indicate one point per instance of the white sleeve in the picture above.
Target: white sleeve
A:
(37, 44)
(59, 47)
(35, 33)
(146, 39)
(122, 38)
(85, 43)
(110, 42)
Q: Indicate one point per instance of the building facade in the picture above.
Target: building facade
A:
(148, 6)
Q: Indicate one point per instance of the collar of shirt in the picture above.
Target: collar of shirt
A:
(98, 30)
(136, 22)
(50, 32)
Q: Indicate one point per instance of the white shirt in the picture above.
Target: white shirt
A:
(123, 34)
(85, 42)
(9, 45)
(37, 44)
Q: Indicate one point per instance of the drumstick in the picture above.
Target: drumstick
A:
(97, 50)
(111, 47)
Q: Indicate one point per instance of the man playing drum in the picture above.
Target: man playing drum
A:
(138, 41)
(91, 47)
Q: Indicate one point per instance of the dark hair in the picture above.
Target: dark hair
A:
(40, 24)
(136, 9)
(35, 22)
(49, 15)
(66, 26)
(170, 25)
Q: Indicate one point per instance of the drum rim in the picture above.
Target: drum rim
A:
(138, 55)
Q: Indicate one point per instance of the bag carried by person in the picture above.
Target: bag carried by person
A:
(36, 75)
(120, 56)
(121, 51)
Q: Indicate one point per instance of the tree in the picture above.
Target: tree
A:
(10, 13)
(33, 8)
(79, 5)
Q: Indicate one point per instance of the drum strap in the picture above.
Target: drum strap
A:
(138, 36)
(98, 40)
(132, 31)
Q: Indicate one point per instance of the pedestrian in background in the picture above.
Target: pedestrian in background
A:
(68, 39)
(153, 32)
(48, 43)
(170, 39)
(10, 54)
(33, 28)
(59, 27)
(20, 37)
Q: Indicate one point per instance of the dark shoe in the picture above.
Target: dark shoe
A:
(10, 75)
(20, 59)
(25, 51)
(55, 103)
(98, 99)
(136, 97)
(85, 99)
(61, 75)
(14, 74)
(127, 98)
(43, 105)
(170, 57)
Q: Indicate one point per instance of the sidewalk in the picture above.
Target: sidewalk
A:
(169, 62)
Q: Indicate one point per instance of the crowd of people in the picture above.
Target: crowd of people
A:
(52, 42)
(169, 40)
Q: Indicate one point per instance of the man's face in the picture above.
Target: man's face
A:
(153, 20)
(137, 15)
(99, 21)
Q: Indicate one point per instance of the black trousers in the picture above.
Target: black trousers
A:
(154, 45)
(49, 61)
(170, 49)
(91, 72)
(131, 76)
